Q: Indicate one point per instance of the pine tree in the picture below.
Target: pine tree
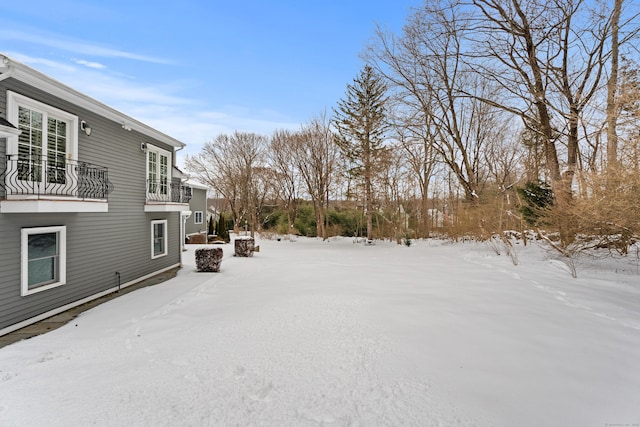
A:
(536, 197)
(360, 120)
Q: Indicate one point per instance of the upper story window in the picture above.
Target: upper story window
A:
(42, 163)
(197, 217)
(49, 138)
(158, 173)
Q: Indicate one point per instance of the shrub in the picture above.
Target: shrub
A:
(197, 239)
(536, 198)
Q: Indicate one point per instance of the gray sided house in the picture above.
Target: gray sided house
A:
(197, 223)
(90, 199)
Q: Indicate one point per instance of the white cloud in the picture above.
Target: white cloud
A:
(161, 106)
(75, 46)
(89, 64)
(107, 87)
(196, 128)
(45, 63)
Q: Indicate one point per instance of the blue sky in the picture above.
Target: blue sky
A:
(194, 69)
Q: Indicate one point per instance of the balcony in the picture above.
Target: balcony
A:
(164, 196)
(32, 184)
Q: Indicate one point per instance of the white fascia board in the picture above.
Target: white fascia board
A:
(37, 79)
(197, 185)
(52, 206)
(6, 131)
(166, 207)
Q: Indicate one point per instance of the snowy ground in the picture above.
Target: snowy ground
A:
(311, 333)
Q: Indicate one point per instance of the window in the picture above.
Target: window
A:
(43, 258)
(48, 139)
(158, 238)
(158, 176)
(197, 217)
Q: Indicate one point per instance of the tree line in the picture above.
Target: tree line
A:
(478, 117)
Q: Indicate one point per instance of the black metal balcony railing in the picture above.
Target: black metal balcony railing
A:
(53, 176)
(167, 192)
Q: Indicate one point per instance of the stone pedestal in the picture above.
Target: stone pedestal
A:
(208, 259)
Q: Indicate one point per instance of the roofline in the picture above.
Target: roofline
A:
(24, 73)
(197, 185)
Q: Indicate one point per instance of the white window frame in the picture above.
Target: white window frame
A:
(24, 258)
(15, 100)
(159, 151)
(163, 222)
(196, 215)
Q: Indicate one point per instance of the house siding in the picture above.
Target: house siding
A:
(198, 203)
(98, 244)
(3, 141)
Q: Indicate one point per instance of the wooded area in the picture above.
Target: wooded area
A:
(478, 118)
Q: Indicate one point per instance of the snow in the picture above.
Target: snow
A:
(312, 333)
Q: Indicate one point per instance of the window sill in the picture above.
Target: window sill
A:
(41, 288)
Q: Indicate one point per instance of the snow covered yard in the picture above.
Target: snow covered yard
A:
(311, 333)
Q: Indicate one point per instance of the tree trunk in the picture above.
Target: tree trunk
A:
(612, 85)
(367, 207)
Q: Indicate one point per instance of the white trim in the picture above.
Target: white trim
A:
(197, 185)
(52, 206)
(7, 132)
(166, 207)
(165, 251)
(195, 217)
(69, 306)
(14, 100)
(184, 215)
(160, 152)
(32, 77)
(24, 258)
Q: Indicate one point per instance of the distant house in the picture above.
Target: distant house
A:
(90, 199)
(196, 223)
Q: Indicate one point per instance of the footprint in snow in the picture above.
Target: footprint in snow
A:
(192, 377)
(239, 372)
(6, 376)
(262, 392)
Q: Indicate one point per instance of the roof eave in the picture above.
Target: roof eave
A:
(37, 79)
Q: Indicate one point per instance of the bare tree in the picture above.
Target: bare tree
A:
(550, 58)
(228, 164)
(612, 87)
(629, 116)
(396, 191)
(214, 167)
(426, 71)
(416, 148)
(282, 160)
(315, 155)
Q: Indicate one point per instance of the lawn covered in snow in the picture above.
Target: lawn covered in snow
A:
(313, 333)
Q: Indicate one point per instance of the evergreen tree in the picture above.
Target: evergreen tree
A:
(536, 198)
(360, 120)
(223, 232)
